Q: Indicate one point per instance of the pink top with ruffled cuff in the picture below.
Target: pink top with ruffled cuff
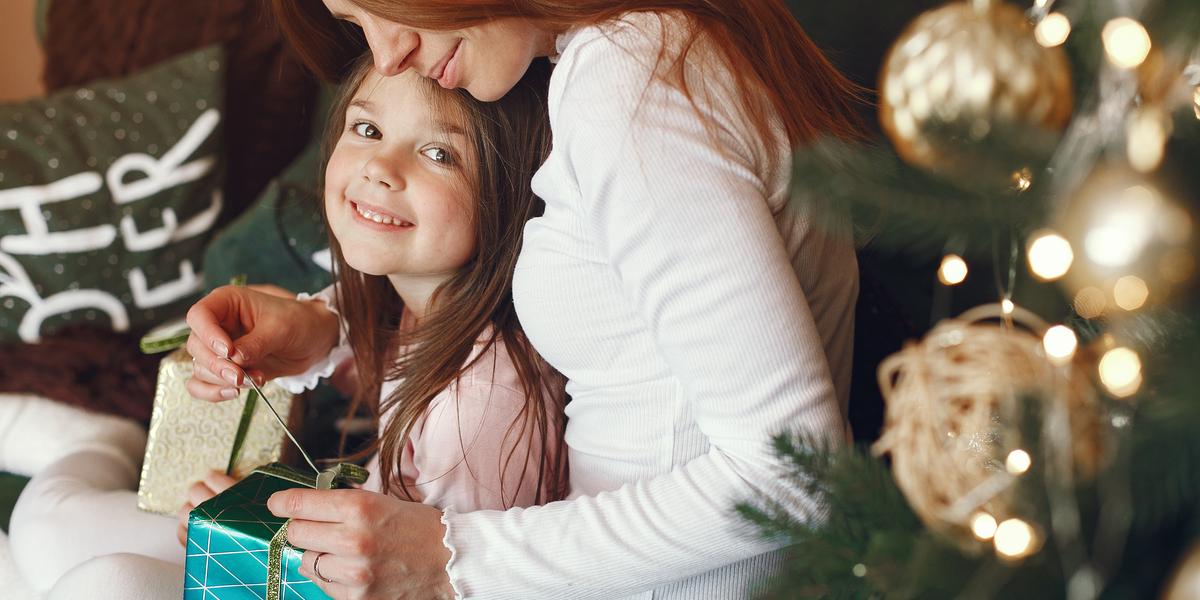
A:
(455, 456)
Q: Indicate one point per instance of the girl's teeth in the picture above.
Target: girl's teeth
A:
(376, 217)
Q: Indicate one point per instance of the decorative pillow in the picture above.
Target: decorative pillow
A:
(269, 94)
(282, 238)
(108, 195)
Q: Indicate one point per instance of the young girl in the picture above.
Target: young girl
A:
(694, 308)
(426, 196)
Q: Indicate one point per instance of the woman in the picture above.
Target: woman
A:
(693, 310)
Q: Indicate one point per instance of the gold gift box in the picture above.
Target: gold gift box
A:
(190, 437)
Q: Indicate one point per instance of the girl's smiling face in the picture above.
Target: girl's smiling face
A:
(397, 191)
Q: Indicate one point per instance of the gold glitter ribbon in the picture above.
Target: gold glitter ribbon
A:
(326, 480)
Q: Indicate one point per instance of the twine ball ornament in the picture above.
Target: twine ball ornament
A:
(1134, 244)
(969, 67)
(953, 414)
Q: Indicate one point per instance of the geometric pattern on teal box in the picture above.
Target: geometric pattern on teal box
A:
(228, 541)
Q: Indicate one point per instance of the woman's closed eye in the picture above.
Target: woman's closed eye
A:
(366, 129)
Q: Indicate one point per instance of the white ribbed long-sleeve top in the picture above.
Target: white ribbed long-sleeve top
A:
(696, 314)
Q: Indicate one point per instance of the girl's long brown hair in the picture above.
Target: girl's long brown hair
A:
(774, 63)
(510, 139)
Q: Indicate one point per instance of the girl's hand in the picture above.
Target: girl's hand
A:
(214, 483)
(371, 545)
(260, 330)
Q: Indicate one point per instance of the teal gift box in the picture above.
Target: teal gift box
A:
(237, 549)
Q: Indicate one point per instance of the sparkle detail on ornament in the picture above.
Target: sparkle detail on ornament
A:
(1022, 180)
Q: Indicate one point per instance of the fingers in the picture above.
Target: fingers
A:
(333, 588)
(327, 506)
(218, 481)
(198, 386)
(182, 529)
(273, 290)
(213, 378)
(210, 317)
(340, 571)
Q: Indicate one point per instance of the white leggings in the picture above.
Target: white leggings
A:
(83, 507)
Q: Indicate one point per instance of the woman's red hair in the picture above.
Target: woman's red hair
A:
(768, 54)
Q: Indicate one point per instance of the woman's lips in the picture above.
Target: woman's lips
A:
(448, 77)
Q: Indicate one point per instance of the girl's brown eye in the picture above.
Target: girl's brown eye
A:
(438, 155)
(366, 130)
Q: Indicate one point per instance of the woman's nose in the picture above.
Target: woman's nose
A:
(392, 46)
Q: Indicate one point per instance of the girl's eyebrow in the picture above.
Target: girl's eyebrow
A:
(364, 104)
(449, 128)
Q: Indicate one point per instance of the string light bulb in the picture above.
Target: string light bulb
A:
(1050, 255)
(1018, 462)
(953, 270)
(1130, 292)
(1060, 344)
(1126, 42)
(1146, 138)
(1014, 539)
(1090, 302)
(1053, 30)
(983, 526)
(1121, 371)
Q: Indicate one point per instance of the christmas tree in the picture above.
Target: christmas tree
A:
(1039, 178)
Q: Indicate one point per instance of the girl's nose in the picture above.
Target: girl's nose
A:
(385, 172)
(393, 46)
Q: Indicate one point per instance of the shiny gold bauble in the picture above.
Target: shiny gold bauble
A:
(1133, 243)
(969, 67)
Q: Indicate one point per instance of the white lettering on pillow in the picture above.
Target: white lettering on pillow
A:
(167, 172)
(15, 282)
(38, 239)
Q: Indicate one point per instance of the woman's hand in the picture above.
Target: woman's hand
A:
(214, 483)
(371, 545)
(259, 330)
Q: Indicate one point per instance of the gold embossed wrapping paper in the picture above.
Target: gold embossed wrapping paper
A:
(190, 437)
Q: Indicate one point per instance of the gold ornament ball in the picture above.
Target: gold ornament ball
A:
(969, 67)
(953, 413)
(1134, 244)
